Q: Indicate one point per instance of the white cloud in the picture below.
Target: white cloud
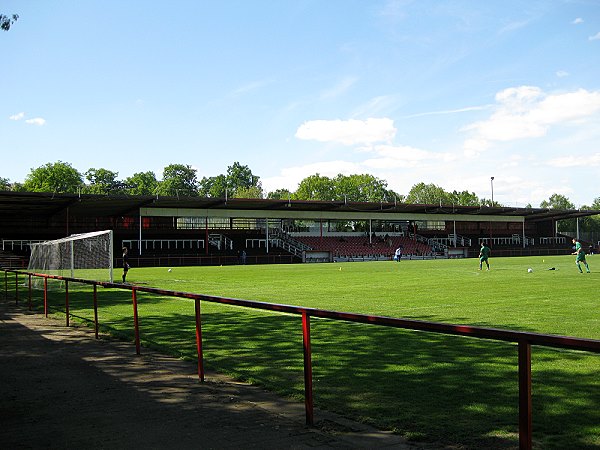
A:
(291, 177)
(573, 161)
(595, 37)
(348, 132)
(474, 147)
(402, 156)
(527, 112)
(37, 121)
(18, 116)
(577, 21)
(447, 111)
(562, 73)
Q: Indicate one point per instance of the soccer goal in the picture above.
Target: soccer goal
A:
(86, 255)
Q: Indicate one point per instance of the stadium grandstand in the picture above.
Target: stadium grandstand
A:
(173, 231)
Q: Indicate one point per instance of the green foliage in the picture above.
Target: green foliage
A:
(558, 201)
(141, 183)
(249, 192)
(7, 21)
(427, 194)
(58, 177)
(360, 188)
(316, 187)
(280, 194)
(213, 187)
(4, 184)
(464, 198)
(179, 180)
(103, 181)
(241, 181)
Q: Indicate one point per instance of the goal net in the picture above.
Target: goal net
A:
(87, 255)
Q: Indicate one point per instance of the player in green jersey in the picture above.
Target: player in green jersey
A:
(484, 254)
(580, 258)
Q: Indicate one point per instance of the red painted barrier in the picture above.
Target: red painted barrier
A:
(524, 339)
(136, 324)
(66, 301)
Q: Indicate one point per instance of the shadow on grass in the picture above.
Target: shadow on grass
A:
(428, 387)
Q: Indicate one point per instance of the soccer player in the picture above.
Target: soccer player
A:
(484, 254)
(125, 263)
(398, 254)
(580, 258)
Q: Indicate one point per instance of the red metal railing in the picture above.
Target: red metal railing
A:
(524, 339)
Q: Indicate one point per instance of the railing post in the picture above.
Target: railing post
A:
(308, 389)
(67, 301)
(136, 325)
(16, 288)
(525, 404)
(95, 311)
(46, 296)
(199, 340)
(30, 305)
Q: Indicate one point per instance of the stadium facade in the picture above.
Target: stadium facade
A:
(190, 231)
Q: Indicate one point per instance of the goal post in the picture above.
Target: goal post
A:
(87, 255)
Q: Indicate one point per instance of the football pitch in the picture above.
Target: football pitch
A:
(428, 387)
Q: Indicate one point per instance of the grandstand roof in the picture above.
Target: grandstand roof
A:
(48, 204)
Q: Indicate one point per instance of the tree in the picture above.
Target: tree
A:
(558, 201)
(241, 178)
(427, 194)
(315, 187)
(103, 181)
(179, 179)
(464, 198)
(58, 177)
(239, 182)
(213, 187)
(141, 183)
(594, 222)
(250, 192)
(4, 184)
(280, 194)
(7, 21)
(360, 188)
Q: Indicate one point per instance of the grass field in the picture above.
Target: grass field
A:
(427, 387)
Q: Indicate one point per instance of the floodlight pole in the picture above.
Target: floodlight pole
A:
(492, 205)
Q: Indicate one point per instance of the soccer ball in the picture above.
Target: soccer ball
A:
(169, 270)
(530, 270)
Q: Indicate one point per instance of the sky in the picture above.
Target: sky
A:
(445, 92)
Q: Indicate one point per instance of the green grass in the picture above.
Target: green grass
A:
(427, 387)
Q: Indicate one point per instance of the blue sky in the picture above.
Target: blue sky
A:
(443, 92)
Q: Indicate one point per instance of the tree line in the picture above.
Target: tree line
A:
(240, 182)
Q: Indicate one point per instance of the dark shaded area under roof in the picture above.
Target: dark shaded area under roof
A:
(48, 204)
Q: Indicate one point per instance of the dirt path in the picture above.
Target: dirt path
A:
(61, 388)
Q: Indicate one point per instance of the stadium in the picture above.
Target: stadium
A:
(428, 348)
(172, 231)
